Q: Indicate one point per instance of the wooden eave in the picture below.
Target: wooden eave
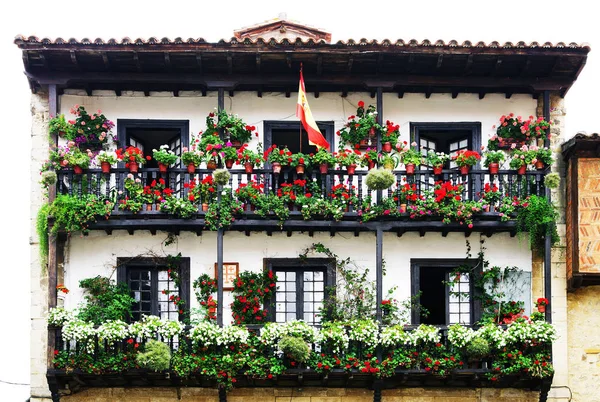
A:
(270, 65)
(582, 145)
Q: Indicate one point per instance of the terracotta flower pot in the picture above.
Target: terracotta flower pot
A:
(229, 163)
(410, 168)
(105, 166)
(236, 143)
(191, 168)
(402, 208)
(248, 167)
(371, 165)
(77, 169)
(464, 170)
(276, 167)
(300, 169)
(351, 168)
(323, 168)
(486, 208)
(494, 168)
(133, 167)
(437, 169)
(211, 165)
(541, 308)
(539, 165)
(162, 168)
(522, 169)
(386, 147)
(204, 206)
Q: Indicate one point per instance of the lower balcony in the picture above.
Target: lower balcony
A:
(335, 201)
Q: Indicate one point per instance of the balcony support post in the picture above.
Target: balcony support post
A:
(546, 109)
(219, 266)
(53, 106)
(379, 272)
(220, 108)
(548, 238)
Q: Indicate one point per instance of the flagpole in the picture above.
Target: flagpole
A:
(301, 122)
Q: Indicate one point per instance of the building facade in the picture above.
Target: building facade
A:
(445, 97)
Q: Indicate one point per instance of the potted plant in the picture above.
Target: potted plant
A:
(477, 349)
(436, 160)
(165, 157)
(324, 159)
(541, 304)
(106, 160)
(543, 158)
(239, 132)
(520, 158)
(211, 156)
(59, 126)
(465, 159)
(278, 158)
(249, 158)
(389, 137)
(132, 156)
(380, 179)
(348, 159)
(389, 161)
(493, 160)
(360, 128)
(516, 130)
(89, 130)
(369, 158)
(300, 161)
(411, 157)
(490, 196)
(191, 158)
(78, 159)
(229, 153)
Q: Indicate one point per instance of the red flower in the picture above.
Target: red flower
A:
(361, 104)
(148, 157)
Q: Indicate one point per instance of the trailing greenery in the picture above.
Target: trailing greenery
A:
(221, 177)
(552, 180)
(156, 357)
(477, 348)
(539, 219)
(73, 214)
(42, 232)
(295, 348)
(105, 300)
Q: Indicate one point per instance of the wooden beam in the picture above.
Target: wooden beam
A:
(25, 57)
(411, 62)
(507, 95)
(106, 61)
(379, 63)
(229, 64)
(258, 62)
(469, 65)
(146, 93)
(203, 91)
(428, 93)
(400, 94)
(287, 94)
(344, 93)
(454, 94)
(118, 91)
(231, 93)
(481, 95)
(350, 62)
(168, 65)
(440, 60)
(88, 90)
(136, 59)
(316, 95)
(43, 59)
(176, 93)
(373, 93)
(199, 62)
(497, 66)
(319, 65)
(526, 67)
(288, 59)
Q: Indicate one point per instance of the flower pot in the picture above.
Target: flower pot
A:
(386, 147)
(522, 169)
(494, 168)
(248, 167)
(351, 168)
(410, 168)
(371, 164)
(437, 170)
(133, 167)
(236, 143)
(162, 168)
(229, 163)
(402, 208)
(191, 168)
(541, 308)
(204, 206)
(465, 169)
(539, 165)
(363, 144)
(323, 168)
(486, 208)
(276, 167)
(105, 166)
(300, 169)
(211, 165)
(77, 169)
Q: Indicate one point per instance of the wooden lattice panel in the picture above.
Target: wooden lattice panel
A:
(589, 214)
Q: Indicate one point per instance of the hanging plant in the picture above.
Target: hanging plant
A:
(250, 292)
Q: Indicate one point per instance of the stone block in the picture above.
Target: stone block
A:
(325, 399)
(294, 399)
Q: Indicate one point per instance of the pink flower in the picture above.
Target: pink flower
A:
(513, 146)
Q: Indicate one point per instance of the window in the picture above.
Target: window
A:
(287, 134)
(302, 287)
(446, 305)
(446, 137)
(152, 288)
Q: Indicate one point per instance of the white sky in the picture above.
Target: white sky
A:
(508, 20)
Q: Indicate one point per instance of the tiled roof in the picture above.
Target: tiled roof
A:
(21, 40)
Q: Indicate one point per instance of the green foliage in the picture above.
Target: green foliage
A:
(477, 348)
(221, 177)
(300, 159)
(179, 207)
(156, 357)
(380, 179)
(164, 155)
(493, 157)
(360, 126)
(59, 126)
(552, 180)
(238, 130)
(295, 348)
(221, 214)
(323, 156)
(104, 300)
(411, 155)
(539, 219)
(42, 232)
(73, 214)
(48, 178)
(250, 293)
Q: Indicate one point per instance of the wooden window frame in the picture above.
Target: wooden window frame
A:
(301, 265)
(326, 127)
(475, 127)
(124, 264)
(448, 263)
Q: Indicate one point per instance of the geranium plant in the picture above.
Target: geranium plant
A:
(466, 158)
(514, 129)
(390, 133)
(250, 292)
(164, 155)
(95, 128)
(76, 157)
(59, 126)
(131, 154)
(522, 156)
(234, 125)
(107, 156)
(411, 155)
(192, 155)
(229, 152)
(370, 156)
(436, 159)
(360, 126)
(245, 155)
(323, 156)
(276, 155)
(493, 157)
(300, 159)
(347, 157)
(544, 155)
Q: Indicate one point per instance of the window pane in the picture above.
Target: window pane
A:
(308, 296)
(163, 275)
(279, 307)
(308, 307)
(290, 316)
(318, 296)
(308, 286)
(454, 308)
(308, 317)
(308, 276)
(280, 317)
(279, 296)
(319, 276)
(319, 286)
(290, 276)
(291, 286)
(291, 297)
(291, 307)
(453, 318)
(464, 143)
(281, 286)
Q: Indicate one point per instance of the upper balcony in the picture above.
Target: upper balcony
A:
(288, 201)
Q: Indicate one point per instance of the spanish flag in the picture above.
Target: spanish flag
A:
(308, 121)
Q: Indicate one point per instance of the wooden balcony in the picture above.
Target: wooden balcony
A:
(111, 186)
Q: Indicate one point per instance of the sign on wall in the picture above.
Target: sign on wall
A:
(231, 271)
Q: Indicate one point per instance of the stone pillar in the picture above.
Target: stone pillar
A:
(559, 276)
(39, 277)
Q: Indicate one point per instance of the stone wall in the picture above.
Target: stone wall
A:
(39, 278)
(303, 395)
